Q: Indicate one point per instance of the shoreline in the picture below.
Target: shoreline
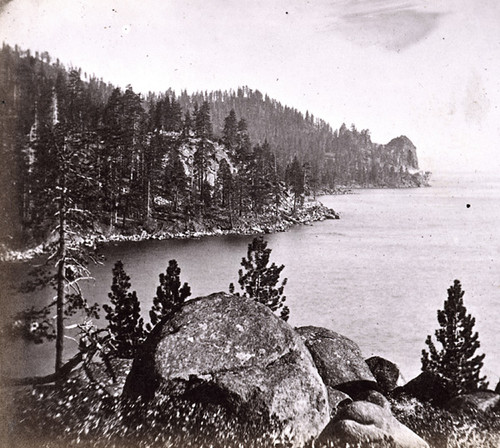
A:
(310, 212)
(251, 226)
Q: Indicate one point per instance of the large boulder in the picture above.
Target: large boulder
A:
(385, 372)
(369, 423)
(339, 361)
(233, 352)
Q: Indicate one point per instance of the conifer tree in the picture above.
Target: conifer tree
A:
(225, 183)
(456, 361)
(296, 180)
(173, 121)
(230, 132)
(186, 126)
(204, 150)
(259, 281)
(203, 123)
(125, 322)
(169, 295)
(63, 154)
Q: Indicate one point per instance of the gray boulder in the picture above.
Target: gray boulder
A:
(385, 372)
(339, 360)
(233, 352)
(367, 422)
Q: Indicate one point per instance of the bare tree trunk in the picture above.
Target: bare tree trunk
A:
(61, 274)
(148, 200)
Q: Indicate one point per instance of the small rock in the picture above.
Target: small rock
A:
(377, 398)
(336, 399)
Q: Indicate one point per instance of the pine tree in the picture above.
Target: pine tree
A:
(456, 361)
(203, 123)
(204, 151)
(63, 154)
(187, 125)
(125, 322)
(296, 181)
(225, 183)
(173, 121)
(169, 295)
(111, 157)
(230, 132)
(259, 281)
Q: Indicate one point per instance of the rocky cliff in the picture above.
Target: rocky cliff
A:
(402, 152)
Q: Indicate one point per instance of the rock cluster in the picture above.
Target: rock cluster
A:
(312, 383)
(237, 353)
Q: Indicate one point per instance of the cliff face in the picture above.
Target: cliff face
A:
(396, 165)
(357, 161)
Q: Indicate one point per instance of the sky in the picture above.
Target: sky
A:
(427, 69)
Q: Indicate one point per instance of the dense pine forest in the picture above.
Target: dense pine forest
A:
(76, 148)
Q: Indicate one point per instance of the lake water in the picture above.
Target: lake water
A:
(377, 275)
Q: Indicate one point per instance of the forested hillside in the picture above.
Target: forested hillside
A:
(344, 156)
(111, 157)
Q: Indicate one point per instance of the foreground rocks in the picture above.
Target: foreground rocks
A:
(360, 414)
(236, 353)
(302, 385)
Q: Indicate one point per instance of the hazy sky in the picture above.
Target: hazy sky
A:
(426, 69)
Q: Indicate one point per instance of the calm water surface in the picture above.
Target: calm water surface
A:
(377, 275)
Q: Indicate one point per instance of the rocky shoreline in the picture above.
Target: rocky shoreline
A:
(312, 211)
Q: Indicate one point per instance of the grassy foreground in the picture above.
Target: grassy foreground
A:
(84, 413)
